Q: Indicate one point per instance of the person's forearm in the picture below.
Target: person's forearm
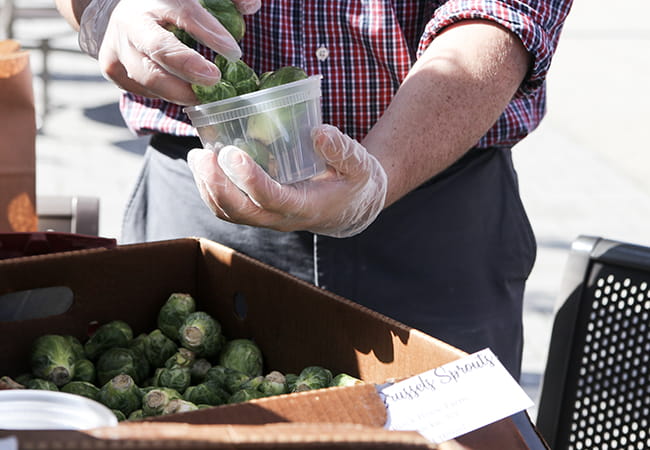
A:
(72, 10)
(455, 92)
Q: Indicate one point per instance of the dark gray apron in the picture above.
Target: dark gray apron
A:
(450, 259)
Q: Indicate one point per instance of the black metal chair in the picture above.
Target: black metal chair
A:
(596, 387)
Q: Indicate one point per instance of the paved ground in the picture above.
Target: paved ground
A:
(584, 171)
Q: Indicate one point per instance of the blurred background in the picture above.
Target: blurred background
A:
(584, 171)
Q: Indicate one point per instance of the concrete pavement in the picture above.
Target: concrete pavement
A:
(584, 171)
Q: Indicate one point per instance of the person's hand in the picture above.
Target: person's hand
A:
(139, 55)
(341, 202)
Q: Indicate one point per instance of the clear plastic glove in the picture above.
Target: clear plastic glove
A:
(340, 203)
(139, 55)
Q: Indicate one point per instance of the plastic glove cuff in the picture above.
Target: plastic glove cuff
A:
(92, 25)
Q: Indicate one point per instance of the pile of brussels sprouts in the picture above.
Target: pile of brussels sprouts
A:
(184, 364)
(237, 77)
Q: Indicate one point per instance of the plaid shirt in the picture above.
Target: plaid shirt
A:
(364, 49)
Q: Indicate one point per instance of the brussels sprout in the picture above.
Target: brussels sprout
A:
(244, 395)
(220, 61)
(159, 348)
(116, 333)
(283, 75)
(154, 401)
(76, 346)
(255, 150)
(264, 78)
(84, 370)
(313, 377)
(41, 384)
(23, 378)
(274, 383)
(242, 355)
(121, 417)
(269, 126)
(172, 314)
(177, 378)
(343, 379)
(235, 380)
(291, 379)
(199, 370)
(181, 35)
(202, 334)
(120, 393)
(206, 393)
(7, 382)
(182, 358)
(52, 358)
(138, 414)
(241, 76)
(178, 405)
(82, 388)
(228, 15)
(253, 383)
(117, 360)
(219, 91)
(138, 343)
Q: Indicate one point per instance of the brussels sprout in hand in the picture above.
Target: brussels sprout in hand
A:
(202, 334)
(120, 393)
(219, 91)
(172, 314)
(116, 333)
(242, 355)
(242, 77)
(226, 12)
(53, 358)
(283, 75)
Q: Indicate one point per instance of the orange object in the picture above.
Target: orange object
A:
(17, 140)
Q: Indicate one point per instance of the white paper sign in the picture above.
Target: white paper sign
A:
(454, 399)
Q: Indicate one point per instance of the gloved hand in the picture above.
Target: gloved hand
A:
(340, 203)
(139, 55)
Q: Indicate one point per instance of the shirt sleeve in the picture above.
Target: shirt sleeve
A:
(537, 23)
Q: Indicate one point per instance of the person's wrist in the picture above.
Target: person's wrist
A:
(92, 25)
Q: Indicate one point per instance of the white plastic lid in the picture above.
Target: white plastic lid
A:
(34, 409)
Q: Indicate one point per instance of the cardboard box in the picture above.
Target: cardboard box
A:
(294, 323)
(17, 146)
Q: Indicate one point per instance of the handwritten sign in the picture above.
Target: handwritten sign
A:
(454, 399)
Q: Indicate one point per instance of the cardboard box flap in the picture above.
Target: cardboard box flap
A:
(358, 338)
(148, 435)
(322, 406)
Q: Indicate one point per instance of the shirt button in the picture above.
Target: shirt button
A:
(322, 53)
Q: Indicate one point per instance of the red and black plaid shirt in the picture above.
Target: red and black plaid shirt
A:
(364, 49)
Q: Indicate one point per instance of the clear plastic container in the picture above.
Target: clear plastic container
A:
(272, 125)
